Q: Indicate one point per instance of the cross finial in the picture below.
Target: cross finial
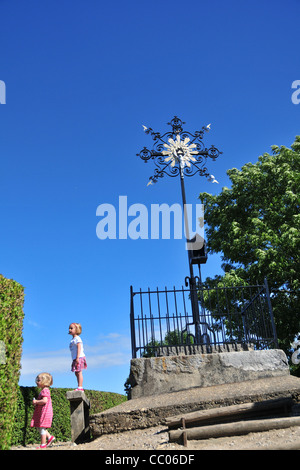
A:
(176, 124)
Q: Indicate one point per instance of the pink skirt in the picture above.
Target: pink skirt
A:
(78, 367)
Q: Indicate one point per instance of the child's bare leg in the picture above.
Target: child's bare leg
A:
(79, 378)
(43, 436)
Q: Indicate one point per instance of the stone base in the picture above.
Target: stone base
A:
(152, 411)
(157, 375)
(79, 407)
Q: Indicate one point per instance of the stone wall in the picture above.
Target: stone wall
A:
(157, 375)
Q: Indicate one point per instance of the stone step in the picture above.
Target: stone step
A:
(149, 411)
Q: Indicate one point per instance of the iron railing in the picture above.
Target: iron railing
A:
(230, 318)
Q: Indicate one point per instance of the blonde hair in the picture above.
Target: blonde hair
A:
(78, 328)
(45, 379)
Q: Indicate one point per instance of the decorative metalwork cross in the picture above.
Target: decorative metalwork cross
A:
(178, 152)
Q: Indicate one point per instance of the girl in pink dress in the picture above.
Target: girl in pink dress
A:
(43, 412)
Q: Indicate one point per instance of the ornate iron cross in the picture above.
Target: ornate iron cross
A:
(178, 152)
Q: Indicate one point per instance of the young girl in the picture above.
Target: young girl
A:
(43, 412)
(77, 353)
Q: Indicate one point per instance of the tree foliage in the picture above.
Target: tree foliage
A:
(255, 225)
(11, 334)
(172, 338)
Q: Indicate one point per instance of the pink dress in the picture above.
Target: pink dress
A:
(43, 414)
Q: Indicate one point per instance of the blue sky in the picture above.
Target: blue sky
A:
(81, 78)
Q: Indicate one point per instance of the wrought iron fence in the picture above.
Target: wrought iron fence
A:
(230, 318)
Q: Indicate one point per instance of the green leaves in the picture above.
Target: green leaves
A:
(11, 325)
(255, 224)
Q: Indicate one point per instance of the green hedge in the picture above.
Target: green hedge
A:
(23, 434)
(11, 326)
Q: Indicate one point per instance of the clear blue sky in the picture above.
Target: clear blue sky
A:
(82, 77)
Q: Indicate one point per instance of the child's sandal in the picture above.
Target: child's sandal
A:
(50, 442)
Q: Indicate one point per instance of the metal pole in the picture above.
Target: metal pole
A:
(133, 342)
(271, 313)
(192, 282)
(195, 156)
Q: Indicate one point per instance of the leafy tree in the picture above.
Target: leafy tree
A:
(151, 347)
(172, 338)
(255, 225)
(177, 338)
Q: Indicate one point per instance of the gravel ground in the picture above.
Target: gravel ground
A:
(157, 439)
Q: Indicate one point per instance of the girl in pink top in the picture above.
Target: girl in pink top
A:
(43, 412)
(77, 353)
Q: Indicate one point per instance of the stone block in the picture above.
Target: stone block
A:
(79, 407)
(157, 375)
